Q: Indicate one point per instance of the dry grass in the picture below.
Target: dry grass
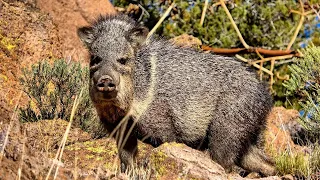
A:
(58, 156)
(303, 163)
(14, 116)
(22, 155)
(161, 20)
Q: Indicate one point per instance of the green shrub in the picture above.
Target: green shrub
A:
(52, 89)
(303, 165)
(295, 164)
(305, 84)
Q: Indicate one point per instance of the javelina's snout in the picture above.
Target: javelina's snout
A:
(106, 84)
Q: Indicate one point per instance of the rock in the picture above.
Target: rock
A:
(238, 177)
(68, 15)
(186, 40)
(177, 161)
(287, 177)
(277, 135)
(26, 36)
(253, 175)
(101, 153)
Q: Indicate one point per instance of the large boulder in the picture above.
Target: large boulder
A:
(68, 15)
(278, 133)
(177, 161)
(26, 36)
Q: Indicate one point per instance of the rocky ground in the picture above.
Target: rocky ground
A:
(33, 30)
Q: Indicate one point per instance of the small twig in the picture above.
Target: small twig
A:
(271, 77)
(22, 155)
(295, 11)
(121, 136)
(285, 77)
(261, 64)
(308, 13)
(203, 15)
(317, 13)
(161, 20)
(234, 24)
(125, 118)
(300, 13)
(254, 64)
(274, 58)
(213, 5)
(284, 61)
(293, 39)
(143, 11)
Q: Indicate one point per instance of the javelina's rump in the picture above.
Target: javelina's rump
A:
(176, 94)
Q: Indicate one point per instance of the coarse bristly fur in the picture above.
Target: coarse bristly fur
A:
(177, 94)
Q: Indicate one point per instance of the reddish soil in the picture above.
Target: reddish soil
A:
(70, 15)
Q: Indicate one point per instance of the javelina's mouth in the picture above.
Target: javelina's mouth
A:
(104, 95)
(108, 95)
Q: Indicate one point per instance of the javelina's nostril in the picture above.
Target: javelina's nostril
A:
(111, 85)
(101, 84)
(105, 83)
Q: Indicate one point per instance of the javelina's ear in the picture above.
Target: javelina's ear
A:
(137, 36)
(86, 35)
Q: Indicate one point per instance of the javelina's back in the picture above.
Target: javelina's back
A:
(176, 94)
(202, 100)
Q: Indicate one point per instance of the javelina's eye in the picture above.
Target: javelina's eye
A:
(122, 61)
(94, 60)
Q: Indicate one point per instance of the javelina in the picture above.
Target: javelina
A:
(176, 94)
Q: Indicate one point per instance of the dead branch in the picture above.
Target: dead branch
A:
(267, 52)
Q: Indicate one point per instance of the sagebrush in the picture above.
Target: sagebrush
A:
(52, 88)
(305, 84)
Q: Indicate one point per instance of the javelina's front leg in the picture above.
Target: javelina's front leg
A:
(128, 153)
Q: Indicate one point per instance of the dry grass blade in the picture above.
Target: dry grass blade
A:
(9, 127)
(261, 64)
(58, 156)
(274, 58)
(315, 11)
(121, 133)
(142, 106)
(203, 15)
(124, 119)
(234, 24)
(22, 155)
(161, 20)
(254, 64)
(293, 39)
(271, 77)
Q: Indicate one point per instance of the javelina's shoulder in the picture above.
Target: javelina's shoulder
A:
(169, 53)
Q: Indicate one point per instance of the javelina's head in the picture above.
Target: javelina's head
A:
(112, 42)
